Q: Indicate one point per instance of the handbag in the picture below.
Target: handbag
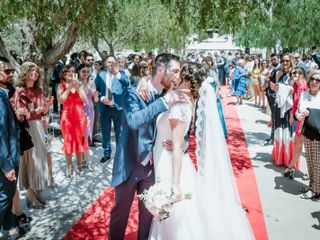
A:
(311, 126)
(25, 138)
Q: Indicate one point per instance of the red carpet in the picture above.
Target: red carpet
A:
(94, 222)
(243, 170)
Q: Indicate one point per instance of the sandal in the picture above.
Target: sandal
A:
(23, 218)
(289, 172)
(313, 196)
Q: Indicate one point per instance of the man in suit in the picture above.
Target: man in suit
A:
(55, 80)
(316, 58)
(133, 170)
(9, 152)
(271, 95)
(110, 85)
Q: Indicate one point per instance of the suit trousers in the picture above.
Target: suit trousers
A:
(272, 103)
(114, 115)
(7, 191)
(313, 163)
(140, 179)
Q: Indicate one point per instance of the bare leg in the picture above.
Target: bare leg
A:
(16, 206)
(32, 200)
(49, 158)
(87, 156)
(297, 150)
(79, 157)
(69, 165)
(262, 95)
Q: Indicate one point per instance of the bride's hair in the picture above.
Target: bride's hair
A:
(195, 74)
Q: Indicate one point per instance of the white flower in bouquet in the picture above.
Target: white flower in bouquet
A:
(159, 200)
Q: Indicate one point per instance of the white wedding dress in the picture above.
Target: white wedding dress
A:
(214, 211)
(185, 220)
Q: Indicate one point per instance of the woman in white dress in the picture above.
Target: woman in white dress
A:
(194, 218)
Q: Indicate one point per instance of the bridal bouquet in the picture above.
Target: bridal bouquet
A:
(159, 200)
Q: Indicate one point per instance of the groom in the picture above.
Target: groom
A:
(133, 170)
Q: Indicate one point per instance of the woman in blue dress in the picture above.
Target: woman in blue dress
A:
(216, 85)
(240, 78)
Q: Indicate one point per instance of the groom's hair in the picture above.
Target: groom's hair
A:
(163, 60)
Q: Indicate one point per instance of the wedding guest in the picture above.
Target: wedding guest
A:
(297, 75)
(271, 95)
(265, 74)
(55, 80)
(88, 107)
(256, 80)
(73, 120)
(240, 78)
(9, 153)
(109, 84)
(309, 112)
(135, 75)
(25, 144)
(282, 151)
(52, 182)
(34, 175)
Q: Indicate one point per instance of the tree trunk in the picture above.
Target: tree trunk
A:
(47, 72)
(269, 52)
(5, 53)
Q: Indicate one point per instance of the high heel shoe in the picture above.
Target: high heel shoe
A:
(292, 174)
(289, 172)
(70, 172)
(80, 170)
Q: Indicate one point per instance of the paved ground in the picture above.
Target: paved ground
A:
(286, 215)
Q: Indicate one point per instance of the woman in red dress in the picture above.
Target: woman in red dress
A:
(73, 120)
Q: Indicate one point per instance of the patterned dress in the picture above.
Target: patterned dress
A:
(88, 108)
(282, 151)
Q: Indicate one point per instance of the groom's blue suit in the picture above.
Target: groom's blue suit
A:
(129, 174)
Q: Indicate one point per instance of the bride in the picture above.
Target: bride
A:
(214, 211)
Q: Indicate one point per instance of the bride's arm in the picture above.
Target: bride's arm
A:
(178, 128)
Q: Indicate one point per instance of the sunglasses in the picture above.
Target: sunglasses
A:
(285, 61)
(8, 71)
(313, 79)
(294, 73)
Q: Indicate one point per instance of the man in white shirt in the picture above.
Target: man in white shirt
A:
(110, 84)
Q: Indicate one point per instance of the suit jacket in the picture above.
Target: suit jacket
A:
(117, 89)
(316, 59)
(9, 135)
(137, 136)
(55, 77)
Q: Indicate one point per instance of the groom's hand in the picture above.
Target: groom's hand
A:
(177, 96)
(143, 89)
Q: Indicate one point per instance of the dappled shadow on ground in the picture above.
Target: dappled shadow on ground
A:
(256, 138)
(94, 223)
(316, 215)
(67, 202)
(288, 185)
(259, 121)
